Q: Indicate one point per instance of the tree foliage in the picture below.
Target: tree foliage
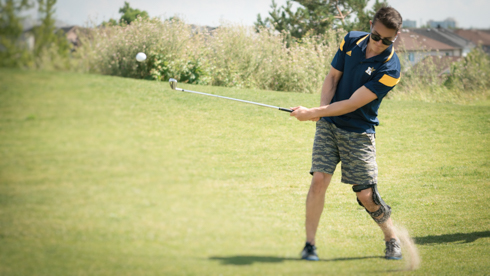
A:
(128, 15)
(315, 17)
(12, 49)
(46, 34)
(49, 42)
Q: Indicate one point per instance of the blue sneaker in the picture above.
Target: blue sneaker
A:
(393, 250)
(309, 252)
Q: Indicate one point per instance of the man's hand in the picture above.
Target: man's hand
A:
(304, 114)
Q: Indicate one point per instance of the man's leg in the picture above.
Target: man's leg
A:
(325, 157)
(381, 213)
(366, 198)
(315, 202)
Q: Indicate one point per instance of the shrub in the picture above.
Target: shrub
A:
(231, 55)
(239, 56)
(169, 45)
(467, 80)
(472, 73)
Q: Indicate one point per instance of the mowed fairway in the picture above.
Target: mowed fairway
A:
(109, 176)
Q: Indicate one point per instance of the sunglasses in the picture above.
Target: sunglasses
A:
(385, 41)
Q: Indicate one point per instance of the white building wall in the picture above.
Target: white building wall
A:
(411, 58)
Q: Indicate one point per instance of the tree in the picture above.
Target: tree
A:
(45, 34)
(129, 14)
(363, 16)
(12, 49)
(284, 19)
(10, 21)
(317, 16)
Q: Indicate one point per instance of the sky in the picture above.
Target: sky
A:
(468, 13)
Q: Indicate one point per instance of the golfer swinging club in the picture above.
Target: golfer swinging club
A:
(363, 71)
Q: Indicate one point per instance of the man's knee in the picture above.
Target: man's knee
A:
(368, 197)
(320, 181)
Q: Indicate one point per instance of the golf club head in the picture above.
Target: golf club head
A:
(173, 83)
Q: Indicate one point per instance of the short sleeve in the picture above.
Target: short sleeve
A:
(383, 82)
(339, 59)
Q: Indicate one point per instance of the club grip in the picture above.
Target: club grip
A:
(286, 109)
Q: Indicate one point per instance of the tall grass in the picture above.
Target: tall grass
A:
(472, 73)
(112, 50)
(238, 56)
(468, 79)
(231, 55)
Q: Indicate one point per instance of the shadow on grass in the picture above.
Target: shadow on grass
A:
(465, 237)
(248, 260)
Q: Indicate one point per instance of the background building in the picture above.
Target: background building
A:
(409, 24)
(449, 23)
(478, 37)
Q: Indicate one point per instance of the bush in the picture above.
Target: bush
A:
(170, 47)
(472, 73)
(231, 55)
(239, 56)
(467, 80)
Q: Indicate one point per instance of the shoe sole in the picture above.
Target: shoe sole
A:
(393, 258)
(311, 259)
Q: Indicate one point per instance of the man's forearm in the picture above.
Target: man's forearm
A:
(328, 90)
(334, 109)
(361, 97)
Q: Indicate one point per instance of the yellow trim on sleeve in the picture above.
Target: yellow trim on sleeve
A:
(389, 80)
(342, 45)
(360, 40)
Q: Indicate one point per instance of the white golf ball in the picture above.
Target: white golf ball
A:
(140, 57)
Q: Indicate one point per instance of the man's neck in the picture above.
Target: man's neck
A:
(370, 53)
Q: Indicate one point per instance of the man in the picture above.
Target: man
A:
(363, 71)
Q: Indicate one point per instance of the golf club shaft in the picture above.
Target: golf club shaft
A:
(238, 100)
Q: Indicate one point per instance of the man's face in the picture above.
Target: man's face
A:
(379, 29)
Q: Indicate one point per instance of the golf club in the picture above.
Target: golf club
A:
(173, 85)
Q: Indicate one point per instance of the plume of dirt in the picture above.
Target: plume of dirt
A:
(410, 252)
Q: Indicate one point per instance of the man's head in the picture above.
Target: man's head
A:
(389, 17)
(384, 28)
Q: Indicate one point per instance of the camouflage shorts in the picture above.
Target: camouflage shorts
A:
(356, 151)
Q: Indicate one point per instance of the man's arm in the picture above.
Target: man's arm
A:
(330, 86)
(360, 98)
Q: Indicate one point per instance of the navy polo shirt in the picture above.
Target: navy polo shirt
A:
(379, 74)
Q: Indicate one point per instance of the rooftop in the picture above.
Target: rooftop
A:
(445, 36)
(475, 36)
(411, 41)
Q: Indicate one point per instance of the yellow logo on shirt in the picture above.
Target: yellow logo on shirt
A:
(370, 70)
(349, 53)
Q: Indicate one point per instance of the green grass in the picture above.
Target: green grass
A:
(109, 176)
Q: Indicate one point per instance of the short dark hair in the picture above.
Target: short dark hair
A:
(389, 17)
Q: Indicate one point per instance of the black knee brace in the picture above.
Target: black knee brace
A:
(384, 209)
